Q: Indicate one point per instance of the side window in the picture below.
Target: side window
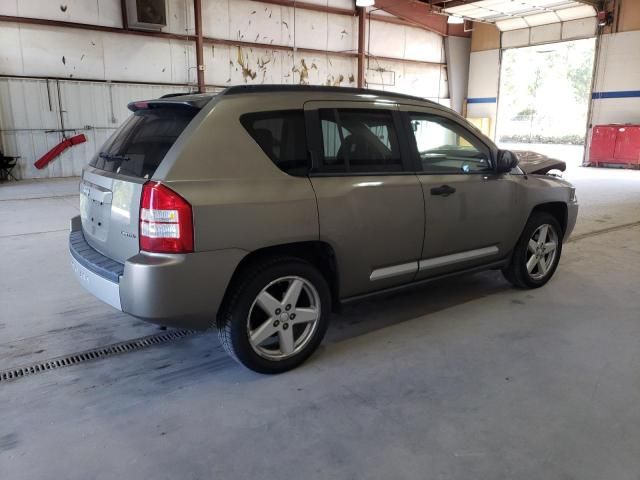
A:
(282, 136)
(446, 147)
(359, 141)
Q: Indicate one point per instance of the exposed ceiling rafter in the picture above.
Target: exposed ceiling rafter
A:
(422, 14)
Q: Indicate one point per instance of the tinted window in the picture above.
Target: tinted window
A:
(282, 136)
(446, 147)
(138, 147)
(356, 140)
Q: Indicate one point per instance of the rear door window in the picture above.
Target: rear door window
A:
(282, 137)
(359, 141)
(139, 146)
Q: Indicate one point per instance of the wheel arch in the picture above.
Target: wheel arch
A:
(558, 210)
(319, 254)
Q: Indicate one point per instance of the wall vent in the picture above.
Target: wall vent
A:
(147, 14)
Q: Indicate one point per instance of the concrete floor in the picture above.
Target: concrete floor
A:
(464, 379)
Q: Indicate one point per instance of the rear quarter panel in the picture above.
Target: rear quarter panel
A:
(240, 198)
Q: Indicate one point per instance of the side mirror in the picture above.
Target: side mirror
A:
(507, 161)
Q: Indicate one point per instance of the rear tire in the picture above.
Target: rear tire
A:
(537, 253)
(276, 315)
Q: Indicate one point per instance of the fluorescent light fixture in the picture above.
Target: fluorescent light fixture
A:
(365, 3)
(455, 20)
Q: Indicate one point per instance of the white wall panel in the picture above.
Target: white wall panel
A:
(399, 41)
(429, 81)
(341, 71)
(342, 34)
(61, 52)
(484, 68)
(215, 18)
(95, 12)
(310, 29)
(616, 110)
(229, 65)
(183, 62)
(618, 71)
(217, 61)
(35, 50)
(95, 109)
(9, 7)
(310, 69)
(423, 45)
(180, 17)
(150, 60)
(458, 50)
(484, 72)
(619, 62)
(386, 40)
(251, 22)
(11, 61)
(254, 65)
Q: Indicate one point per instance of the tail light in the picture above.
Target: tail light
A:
(166, 224)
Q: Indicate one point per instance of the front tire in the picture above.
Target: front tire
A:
(537, 253)
(276, 315)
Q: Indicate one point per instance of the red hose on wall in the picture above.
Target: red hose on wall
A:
(44, 160)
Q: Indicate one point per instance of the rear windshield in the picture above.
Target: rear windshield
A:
(139, 146)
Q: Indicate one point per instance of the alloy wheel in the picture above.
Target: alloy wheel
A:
(541, 251)
(283, 318)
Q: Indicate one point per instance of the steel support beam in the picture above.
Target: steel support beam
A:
(361, 46)
(197, 12)
(125, 15)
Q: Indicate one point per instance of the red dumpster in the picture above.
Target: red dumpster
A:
(616, 144)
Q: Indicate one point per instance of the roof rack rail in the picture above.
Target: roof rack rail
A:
(265, 88)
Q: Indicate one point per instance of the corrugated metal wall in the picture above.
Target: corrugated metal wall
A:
(30, 120)
(30, 117)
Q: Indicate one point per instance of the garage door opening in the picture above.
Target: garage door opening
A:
(544, 98)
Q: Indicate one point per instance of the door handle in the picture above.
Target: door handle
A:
(443, 191)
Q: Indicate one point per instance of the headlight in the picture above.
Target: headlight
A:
(572, 195)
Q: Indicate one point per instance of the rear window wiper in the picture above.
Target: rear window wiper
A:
(113, 157)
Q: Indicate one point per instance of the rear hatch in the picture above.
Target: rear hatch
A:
(111, 186)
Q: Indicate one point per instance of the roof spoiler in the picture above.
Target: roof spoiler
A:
(175, 101)
(177, 94)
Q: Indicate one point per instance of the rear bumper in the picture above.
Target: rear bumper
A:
(102, 288)
(95, 272)
(183, 291)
